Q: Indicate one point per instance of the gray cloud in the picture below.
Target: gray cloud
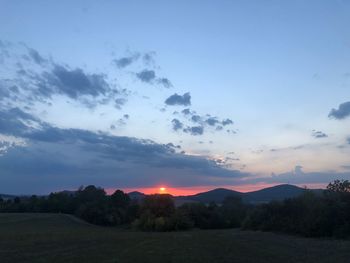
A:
(212, 121)
(36, 56)
(126, 61)
(54, 159)
(148, 58)
(149, 76)
(227, 122)
(319, 134)
(196, 118)
(195, 130)
(165, 82)
(206, 122)
(186, 111)
(29, 84)
(176, 99)
(57, 158)
(177, 125)
(298, 176)
(342, 112)
(146, 75)
(75, 83)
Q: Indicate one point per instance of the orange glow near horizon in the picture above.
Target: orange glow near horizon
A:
(176, 191)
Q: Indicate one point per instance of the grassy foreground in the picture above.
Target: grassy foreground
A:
(63, 238)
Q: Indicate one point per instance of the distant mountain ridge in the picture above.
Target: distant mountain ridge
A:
(274, 193)
(136, 195)
(218, 195)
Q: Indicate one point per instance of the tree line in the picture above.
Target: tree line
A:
(311, 215)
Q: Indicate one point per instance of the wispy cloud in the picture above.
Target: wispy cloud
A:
(126, 61)
(30, 77)
(319, 134)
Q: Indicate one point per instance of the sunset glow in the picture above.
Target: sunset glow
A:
(199, 189)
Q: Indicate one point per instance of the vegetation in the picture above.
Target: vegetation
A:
(310, 215)
(57, 238)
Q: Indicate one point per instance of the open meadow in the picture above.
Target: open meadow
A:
(64, 238)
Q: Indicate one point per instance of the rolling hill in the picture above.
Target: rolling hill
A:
(275, 193)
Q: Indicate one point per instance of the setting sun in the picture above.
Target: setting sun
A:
(162, 189)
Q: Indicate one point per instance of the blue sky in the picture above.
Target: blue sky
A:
(261, 79)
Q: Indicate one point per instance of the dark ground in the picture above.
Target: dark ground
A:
(63, 238)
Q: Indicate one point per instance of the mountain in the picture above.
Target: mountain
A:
(275, 193)
(6, 197)
(136, 195)
(217, 195)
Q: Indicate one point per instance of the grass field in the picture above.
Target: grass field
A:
(63, 238)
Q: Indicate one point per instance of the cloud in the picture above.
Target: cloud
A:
(319, 134)
(195, 130)
(146, 75)
(204, 122)
(165, 82)
(75, 83)
(342, 112)
(12, 122)
(196, 118)
(55, 158)
(212, 121)
(36, 56)
(176, 99)
(186, 112)
(177, 125)
(298, 177)
(148, 58)
(126, 61)
(26, 83)
(149, 76)
(227, 122)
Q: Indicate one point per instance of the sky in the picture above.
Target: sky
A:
(187, 95)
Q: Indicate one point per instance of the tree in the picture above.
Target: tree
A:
(120, 199)
(91, 193)
(159, 205)
(339, 186)
(234, 211)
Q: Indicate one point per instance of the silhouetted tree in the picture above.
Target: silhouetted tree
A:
(158, 205)
(339, 186)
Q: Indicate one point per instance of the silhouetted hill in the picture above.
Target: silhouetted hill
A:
(136, 195)
(275, 193)
(5, 196)
(216, 195)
